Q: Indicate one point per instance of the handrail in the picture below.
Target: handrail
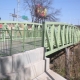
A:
(59, 35)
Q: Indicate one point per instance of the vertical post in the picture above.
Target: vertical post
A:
(38, 31)
(43, 33)
(18, 3)
(11, 42)
(67, 54)
(58, 41)
(14, 14)
(34, 36)
(63, 36)
(52, 33)
(43, 39)
(32, 31)
(73, 65)
(23, 38)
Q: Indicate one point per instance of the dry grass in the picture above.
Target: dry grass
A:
(73, 65)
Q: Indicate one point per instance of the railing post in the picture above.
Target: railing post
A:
(63, 36)
(11, 42)
(43, 38)
(23, 38)
(43, 33)
(34, 36)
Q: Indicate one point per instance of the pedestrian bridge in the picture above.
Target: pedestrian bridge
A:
(17, 37)
(22, 54)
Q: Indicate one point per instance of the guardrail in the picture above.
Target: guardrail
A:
(58, 36)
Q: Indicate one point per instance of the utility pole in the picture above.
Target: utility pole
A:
(18, 3)
(14, 15)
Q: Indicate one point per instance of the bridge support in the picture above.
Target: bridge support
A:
(67, 64)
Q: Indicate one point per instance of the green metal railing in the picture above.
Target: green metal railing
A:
(17, 37)
(59, 35)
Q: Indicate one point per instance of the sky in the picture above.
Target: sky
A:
(70, 10)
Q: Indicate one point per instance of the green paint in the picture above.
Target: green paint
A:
(54, 35)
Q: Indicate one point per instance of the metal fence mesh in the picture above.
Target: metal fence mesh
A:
(16, 41)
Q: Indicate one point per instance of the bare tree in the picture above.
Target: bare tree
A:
(51, 12)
